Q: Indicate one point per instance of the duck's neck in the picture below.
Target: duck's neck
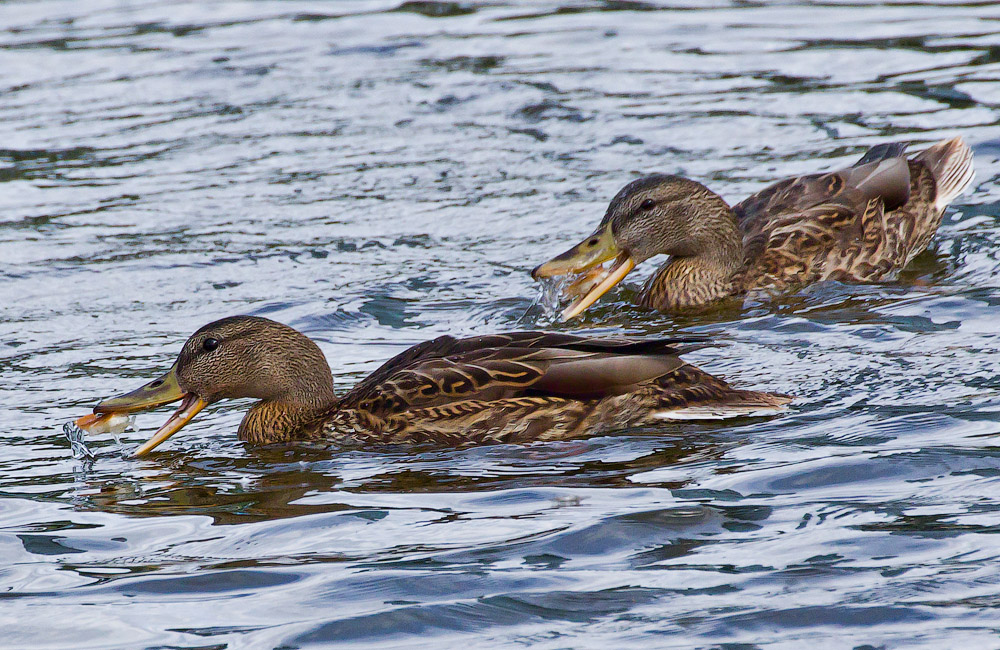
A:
(704, 273)
(270, 421)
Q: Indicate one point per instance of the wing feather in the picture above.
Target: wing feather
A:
(520, 364)
(878, 175)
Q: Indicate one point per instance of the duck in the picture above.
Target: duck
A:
(861, 224)
(515, 387)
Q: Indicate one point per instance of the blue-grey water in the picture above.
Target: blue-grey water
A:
(376, 173)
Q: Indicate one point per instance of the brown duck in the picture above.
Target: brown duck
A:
(859, 224)
(502, 388)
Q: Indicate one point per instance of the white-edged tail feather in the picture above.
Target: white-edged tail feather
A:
(951, 163)
(719, 412)
(741, 403)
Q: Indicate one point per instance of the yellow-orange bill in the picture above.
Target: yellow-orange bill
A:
(593, 251)
(584, 282)
(158, 392)
(615, 274)
(190, 407)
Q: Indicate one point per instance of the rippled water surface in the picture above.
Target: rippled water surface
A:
(376, 174)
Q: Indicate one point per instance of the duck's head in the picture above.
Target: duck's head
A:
(656, 215)
(239, 356)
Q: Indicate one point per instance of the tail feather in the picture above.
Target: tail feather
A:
(950, 161)
(740, 403)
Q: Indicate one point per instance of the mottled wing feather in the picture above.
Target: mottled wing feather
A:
(918, 220)
(444, 346)
(525, 386)
(526, 418)
(850, 238)
(795, 250)
(853, 188)
(493, 346)
(483, 374)
(503, 373)
(512, 420)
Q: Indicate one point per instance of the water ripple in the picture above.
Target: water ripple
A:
(380, 172)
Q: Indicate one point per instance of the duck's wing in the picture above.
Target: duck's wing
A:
(860, 224)
(827, 241)
(882, 173)
(517, 364)
(533, 386)
(809, 228)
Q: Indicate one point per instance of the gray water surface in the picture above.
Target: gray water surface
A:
(377, 173)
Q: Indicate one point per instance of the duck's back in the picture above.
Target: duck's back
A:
(523, 386)
(861, 224)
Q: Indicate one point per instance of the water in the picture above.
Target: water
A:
(376, 174)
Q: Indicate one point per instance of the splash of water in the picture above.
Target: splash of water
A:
(546, 306)
(78, 445)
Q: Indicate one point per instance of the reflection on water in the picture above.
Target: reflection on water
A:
(376, 173)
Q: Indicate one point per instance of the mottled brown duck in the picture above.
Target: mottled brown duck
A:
(503, 388)
(860, 224)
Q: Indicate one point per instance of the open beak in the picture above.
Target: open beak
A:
(156, 393)
(612, 275)
(591, 252)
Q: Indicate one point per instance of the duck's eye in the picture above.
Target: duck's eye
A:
(648, 204)
(210, 344)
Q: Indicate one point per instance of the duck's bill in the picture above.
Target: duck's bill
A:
(611, 276)
(164, 390)
(592, 251)
(158, 392)
(191, 405)
(584, 260)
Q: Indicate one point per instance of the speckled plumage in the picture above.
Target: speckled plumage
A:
(525, 386)
(860, 224)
